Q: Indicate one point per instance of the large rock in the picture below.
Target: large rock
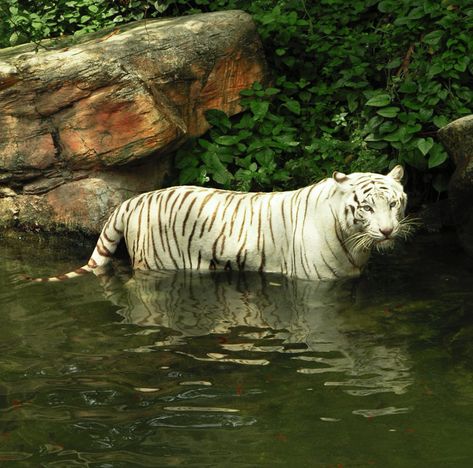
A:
(85, 125)
(458, 140)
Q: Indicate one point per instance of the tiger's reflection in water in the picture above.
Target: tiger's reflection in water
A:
(317, 323)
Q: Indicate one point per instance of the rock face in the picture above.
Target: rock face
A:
(458, 139)
(86, 125)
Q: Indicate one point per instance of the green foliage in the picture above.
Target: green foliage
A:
(358, 85)
(32, 20)
(261, 148)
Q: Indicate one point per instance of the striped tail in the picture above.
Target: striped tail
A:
(104, 249)
(52, 279)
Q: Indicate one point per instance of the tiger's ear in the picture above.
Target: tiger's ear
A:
(340, 177)
(397, 173)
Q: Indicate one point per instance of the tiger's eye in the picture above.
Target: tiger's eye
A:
(367, 208)
(392, 204)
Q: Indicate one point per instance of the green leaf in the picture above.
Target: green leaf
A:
(433, 37)
(37, 25)
(244, 162)
(206, 144)
(285, 142)
(380, 100)
(227, 140)
(219, 172)
(440, 121)
(247, 121)
(293, 106)
(379, 145)
(271, 91)
(218, 118)
(13, 38)
(395, 63)
(222, 177)
(372, 137)
(244, 134)
(386, 6)
(411, 103)
(226, 154)
(388, 112)
(437, 158)
(254, 145)
(398, 135)
(416, 13)
(259, 108)
(265, 157)
(374, 122)
(189, 175)
(425, 114)
(387, 127)
(425, 145)
(352, 102)
(435, 69)
(413, 128)
(462, 64)
(408, 87)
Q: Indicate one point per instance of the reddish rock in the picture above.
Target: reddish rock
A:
(77, 118)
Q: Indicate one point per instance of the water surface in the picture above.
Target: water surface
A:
(180, 369)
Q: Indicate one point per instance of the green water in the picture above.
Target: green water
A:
(221, 371)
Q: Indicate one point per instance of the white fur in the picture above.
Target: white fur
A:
(319, 232)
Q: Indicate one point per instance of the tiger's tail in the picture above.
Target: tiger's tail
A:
(104, 249)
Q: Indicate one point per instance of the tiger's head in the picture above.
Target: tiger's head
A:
(373, 209)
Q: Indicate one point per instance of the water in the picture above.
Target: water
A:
(219, 370)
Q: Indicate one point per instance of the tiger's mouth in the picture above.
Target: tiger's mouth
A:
(386, 243)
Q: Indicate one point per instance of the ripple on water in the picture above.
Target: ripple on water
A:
(218, 357)
(376, 412)
(6, 456)
(202, 418)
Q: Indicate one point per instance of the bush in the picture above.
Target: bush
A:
(32, 20)
(358, 85)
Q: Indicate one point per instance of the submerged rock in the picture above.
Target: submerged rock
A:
(86, 124)
(458, 140)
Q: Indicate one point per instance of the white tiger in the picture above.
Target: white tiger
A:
(323, 231)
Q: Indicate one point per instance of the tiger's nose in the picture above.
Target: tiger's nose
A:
(386, 231)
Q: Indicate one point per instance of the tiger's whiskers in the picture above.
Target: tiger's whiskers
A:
(407, 226)
(359, 242)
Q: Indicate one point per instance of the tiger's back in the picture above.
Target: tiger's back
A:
(200, 228)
